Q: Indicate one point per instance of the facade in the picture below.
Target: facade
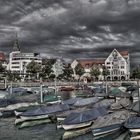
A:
(87, 64)
(18, 60)
(118, 64)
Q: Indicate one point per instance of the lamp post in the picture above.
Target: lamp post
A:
(138, 95)
(41, 91)
(11, 87)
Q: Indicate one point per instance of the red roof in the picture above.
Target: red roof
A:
(124, 53)
(2, 56)
(91, 62)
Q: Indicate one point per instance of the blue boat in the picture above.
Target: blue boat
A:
(83, 119)
(133, 124)
(41, 112)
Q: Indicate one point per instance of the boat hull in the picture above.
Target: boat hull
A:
(34, 117)
(136, 130)
(33, 123)
(76, 126)
(106, 129)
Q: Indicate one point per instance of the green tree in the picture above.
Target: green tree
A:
(34, 69)
(79, 70)
(67, 73)
(136, 72)
(2, 68)
(2, 71)
(95, 72)
(105, 72)
(47, 69)
(13, 76)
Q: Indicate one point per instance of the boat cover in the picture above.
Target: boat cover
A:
(6, 102)
(135, 107)
(98, 90)
(44, 110)
(84, 116)
(3, 94)
(71, 101)
(118, 93)
(104, 103)
(132, 122)
(132, 88)
(122, 103)
(86, 101)
(18, 90)
(117, 117)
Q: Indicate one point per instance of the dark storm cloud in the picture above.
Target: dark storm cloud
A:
(71, 28)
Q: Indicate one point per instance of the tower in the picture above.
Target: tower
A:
(16, 47)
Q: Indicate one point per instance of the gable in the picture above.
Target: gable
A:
(115, 55)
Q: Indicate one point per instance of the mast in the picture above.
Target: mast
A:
(138, 95)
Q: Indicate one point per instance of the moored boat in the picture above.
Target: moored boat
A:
(106, 129)
(52, 99)
(109, 123)
(83, 119)
(67, 88)
(43, 111)
(86, 101)
(133, 124)
(33, 123)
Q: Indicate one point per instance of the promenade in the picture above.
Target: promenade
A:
(60, 83)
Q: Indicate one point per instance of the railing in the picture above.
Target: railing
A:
(59, 83)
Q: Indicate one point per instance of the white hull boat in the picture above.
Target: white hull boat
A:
(106, 130)
(137, 130)
(76, 126)
(34, 123)
(34, 117)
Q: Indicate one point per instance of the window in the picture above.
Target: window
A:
(15, 62)
(115, 72)
(122, 72)
(122, 67)
(15, 58)
(108, 63)
(108, 67)
(15, 67)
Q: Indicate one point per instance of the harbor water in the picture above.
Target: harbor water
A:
(42, 132)
(8, 131)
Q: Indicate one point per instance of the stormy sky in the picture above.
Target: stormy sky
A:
(71, 28)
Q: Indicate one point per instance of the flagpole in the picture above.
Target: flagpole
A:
(41, 91)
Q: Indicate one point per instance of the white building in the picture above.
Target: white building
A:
(18, 60)
(87, 64)
(118, 64)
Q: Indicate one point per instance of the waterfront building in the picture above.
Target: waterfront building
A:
(118, 64)
(18, 60)
(87, 64)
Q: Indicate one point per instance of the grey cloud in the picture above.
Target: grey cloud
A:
(72, 28)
